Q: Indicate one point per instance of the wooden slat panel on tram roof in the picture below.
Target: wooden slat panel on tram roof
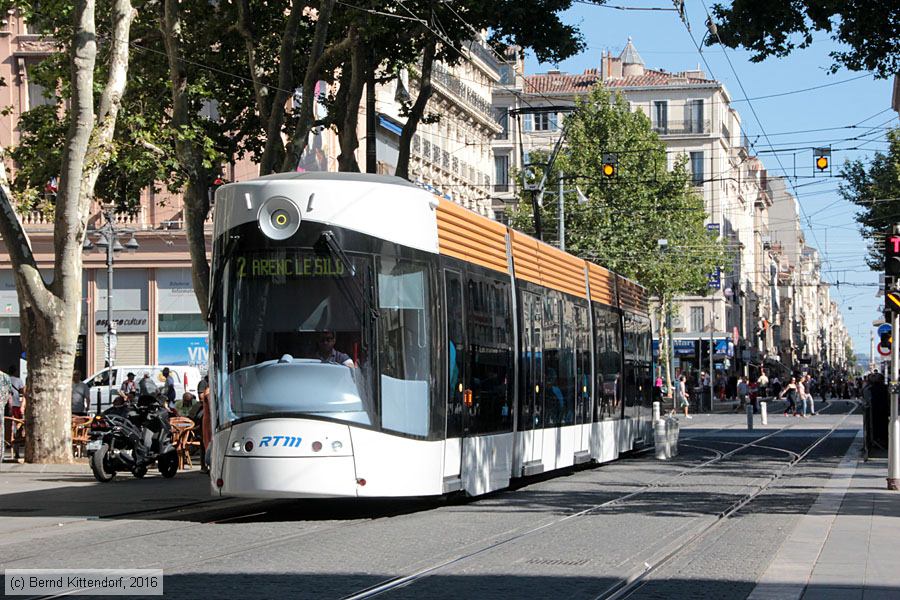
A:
(632, 296)
(602, 284)
(470, 237)
(545, 265)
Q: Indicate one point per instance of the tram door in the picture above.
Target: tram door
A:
(582, 379)
(531, 417)
(456, 374)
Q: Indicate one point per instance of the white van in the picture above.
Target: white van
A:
(186, 380)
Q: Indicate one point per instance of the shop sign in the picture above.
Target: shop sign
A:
(125, 321)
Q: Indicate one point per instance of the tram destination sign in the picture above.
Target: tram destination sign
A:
(281, 267)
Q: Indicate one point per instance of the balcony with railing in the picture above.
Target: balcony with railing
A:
(483, 53)
(683, 128)
(461, 91)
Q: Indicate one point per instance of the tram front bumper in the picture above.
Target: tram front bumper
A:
(289, 477)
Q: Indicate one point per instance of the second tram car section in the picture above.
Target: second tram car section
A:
(370, 339)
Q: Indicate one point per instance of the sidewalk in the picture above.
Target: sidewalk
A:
(846, 546)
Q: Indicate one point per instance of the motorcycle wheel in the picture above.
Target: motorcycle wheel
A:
(100, 466)
(139, 472)
(168, 465)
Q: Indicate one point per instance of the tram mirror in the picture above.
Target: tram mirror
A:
(279, 218)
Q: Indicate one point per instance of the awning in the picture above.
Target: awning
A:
(390, 125)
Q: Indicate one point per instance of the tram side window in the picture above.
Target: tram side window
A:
(582, 365)
(404, 345)
(632, 369)
(455, 355)
(608, 354)
(529, 400)
(554, 397)
(567, 368)
(488, 321)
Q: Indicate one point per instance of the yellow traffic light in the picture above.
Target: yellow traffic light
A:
(610, 165)
(822, 159)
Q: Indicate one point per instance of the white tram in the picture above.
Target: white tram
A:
(370, 339)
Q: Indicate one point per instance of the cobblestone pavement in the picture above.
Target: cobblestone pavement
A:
(332, 550)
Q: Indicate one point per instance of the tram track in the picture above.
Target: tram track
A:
(620, 589)
(510, 537)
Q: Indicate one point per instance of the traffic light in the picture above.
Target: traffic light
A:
(891, 301)
(610, 166)
(822, 158)
(885, 343)
(892, 255)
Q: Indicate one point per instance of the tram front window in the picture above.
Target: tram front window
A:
(295, 336)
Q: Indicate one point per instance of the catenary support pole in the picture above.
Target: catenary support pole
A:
(562, 215)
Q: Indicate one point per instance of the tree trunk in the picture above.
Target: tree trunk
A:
(196, 208)
(50, 348)
(416, 112)
(348, 132)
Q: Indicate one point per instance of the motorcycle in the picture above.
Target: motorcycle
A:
(132, 439)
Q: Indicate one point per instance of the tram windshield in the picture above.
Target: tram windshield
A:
(296, 332)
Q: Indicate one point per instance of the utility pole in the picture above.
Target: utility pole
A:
(892, 304)
(712, 366)
(562, 215)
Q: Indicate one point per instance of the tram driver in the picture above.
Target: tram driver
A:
(326, 352)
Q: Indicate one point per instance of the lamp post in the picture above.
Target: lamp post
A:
(108, 239)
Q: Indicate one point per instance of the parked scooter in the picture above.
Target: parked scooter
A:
(132, 438)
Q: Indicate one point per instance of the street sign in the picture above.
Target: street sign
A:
(884, 328)
(883, 351)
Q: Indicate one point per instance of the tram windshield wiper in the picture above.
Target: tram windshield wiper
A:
(212, 305)
(328, 245)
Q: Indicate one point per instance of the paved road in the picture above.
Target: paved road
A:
(584, 534)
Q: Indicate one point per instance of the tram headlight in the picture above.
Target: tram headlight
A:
(336, 445)
(236, 446)
(279, 218)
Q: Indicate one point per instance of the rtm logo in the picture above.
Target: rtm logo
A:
(285, 441)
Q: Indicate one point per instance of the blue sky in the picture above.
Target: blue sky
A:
(664, 42)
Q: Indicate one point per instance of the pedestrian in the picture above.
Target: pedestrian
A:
(790, 390)
(801, 397)
(129, 387)
(202, 417)
(81, 395)
(762, 383)
(810, 402)
(17, 391)
(682, 397)
(743, 390)
(147, 387)
(169, 388)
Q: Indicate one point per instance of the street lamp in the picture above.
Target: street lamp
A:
(107, 238)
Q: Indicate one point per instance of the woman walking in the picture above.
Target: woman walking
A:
(791, 391)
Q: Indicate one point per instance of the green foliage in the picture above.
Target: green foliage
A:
(875, 188)
(624, 217)
(867, 29)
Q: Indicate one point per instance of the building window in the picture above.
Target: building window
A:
(417, 144)
(37, 95)
(501, 172)
(501, 115)
(507, 75)
(661, 116)
(545, 122)
(426, 153)
(697, 321)
(693, 116)
(697, 168)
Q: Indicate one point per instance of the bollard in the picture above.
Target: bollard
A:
(655, 412)
(660, 440)
(749, 417)
(763, 413)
